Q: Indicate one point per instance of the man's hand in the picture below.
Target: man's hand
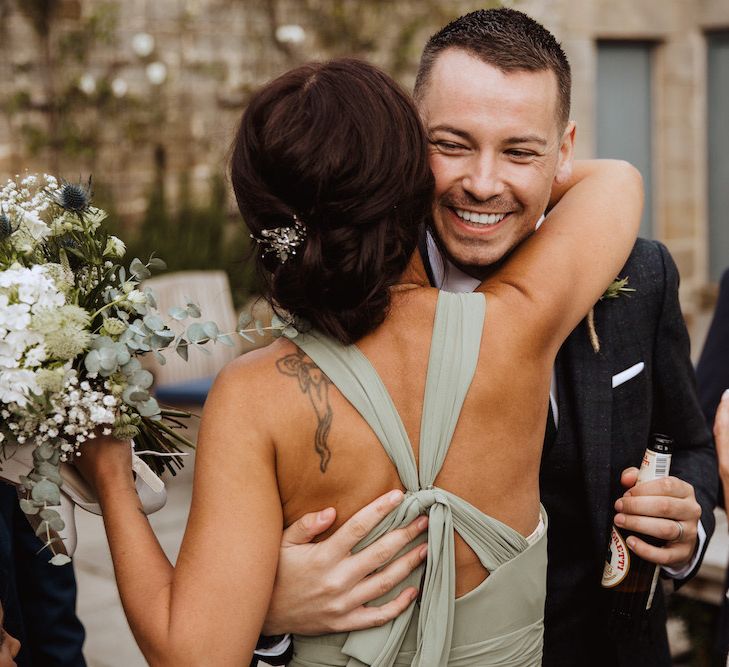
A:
(656, 508)
(322, 588)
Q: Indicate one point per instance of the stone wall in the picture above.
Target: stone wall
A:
(165, 81)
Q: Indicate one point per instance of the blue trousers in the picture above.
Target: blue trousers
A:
(39, 599)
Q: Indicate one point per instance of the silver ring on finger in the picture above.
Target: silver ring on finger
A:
(678, 537)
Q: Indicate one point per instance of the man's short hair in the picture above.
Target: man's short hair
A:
(506, 39)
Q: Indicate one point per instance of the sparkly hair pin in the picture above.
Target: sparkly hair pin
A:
(282, 241)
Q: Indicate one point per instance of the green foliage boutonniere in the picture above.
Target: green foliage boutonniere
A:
(617, 287)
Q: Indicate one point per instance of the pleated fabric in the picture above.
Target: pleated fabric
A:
(501, 621)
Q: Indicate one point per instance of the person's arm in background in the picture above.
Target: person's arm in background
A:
(721, 435)
(712, 371)
(693, 480)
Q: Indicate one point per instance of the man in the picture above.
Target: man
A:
(493, 88)
(39, 599)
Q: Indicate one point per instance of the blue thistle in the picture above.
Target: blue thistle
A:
(74, 197)
(6, 226)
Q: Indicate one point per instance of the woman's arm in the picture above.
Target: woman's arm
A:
(554, 277)
(209, 609)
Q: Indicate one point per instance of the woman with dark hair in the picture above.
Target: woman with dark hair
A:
(330, 170)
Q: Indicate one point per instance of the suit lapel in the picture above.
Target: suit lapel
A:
(585, 409)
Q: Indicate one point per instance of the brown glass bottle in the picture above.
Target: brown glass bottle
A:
(629, 581)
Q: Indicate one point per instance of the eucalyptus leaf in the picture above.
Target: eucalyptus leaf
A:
(28, 507)
(143, 378)
(132, 365)
(56, 524)
(177, 313)
(47, 492)
(92, 362)
(157, 264)
(193, 310)
(42, 529)
(211, 329)
(225, 339)
(182, 350)
(49, 471)
(244, 319)
(139, 270)
(48, 514)
(44, 451)
(244, 335)
(153, 322)
(151, 298)
(161, 360)
(149, 408)
(259, 328)
(196, 332)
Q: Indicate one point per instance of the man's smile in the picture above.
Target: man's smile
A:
(480, 218)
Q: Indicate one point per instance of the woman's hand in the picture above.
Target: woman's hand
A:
(106, 462)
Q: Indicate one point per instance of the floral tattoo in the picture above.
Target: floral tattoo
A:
(315, 385)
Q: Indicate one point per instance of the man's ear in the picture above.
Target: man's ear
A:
(566, 154)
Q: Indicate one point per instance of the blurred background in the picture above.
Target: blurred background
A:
(145, 95)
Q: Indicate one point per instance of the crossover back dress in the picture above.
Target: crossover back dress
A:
(500, 622)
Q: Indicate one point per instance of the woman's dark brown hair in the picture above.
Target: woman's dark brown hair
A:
(340, 146)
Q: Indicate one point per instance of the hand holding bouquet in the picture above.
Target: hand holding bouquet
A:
(73, 325)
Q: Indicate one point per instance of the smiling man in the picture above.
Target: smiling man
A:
(494, 92)
(496, 151)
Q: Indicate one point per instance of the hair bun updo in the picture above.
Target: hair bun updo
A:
(340, 146)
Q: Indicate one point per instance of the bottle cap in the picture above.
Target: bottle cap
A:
(661, 443)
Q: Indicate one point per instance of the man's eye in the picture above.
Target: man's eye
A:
(520, 155)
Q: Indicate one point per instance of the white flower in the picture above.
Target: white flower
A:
(115, 247)
(137, 297)
(64, 329)
(113, 326)
(100, 415)
(16, 386)
(37, 229)
(35, 356)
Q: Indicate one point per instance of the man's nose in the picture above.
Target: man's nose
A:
(484, 179)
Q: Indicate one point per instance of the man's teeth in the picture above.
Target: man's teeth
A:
(480, 218)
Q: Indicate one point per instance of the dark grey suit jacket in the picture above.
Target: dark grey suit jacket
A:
(610, 429)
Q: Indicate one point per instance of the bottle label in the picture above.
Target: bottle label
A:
(655, 465)
(617, 562)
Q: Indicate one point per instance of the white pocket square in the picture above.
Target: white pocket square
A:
(627, 374)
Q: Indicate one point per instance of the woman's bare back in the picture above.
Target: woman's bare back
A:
(327, 455)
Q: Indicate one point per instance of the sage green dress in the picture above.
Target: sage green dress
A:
(500, 622)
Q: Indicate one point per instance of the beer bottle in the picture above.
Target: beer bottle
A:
(629, 581)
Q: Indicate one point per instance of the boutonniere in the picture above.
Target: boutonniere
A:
(617, 287)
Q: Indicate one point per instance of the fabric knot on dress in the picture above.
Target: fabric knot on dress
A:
(428, 497)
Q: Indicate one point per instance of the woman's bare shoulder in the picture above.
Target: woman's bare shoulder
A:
(250, 380)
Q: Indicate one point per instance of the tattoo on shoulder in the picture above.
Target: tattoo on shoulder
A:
(315, 385)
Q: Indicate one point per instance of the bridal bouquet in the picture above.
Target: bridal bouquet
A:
(74, 323)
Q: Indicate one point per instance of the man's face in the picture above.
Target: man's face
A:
(496, 149)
